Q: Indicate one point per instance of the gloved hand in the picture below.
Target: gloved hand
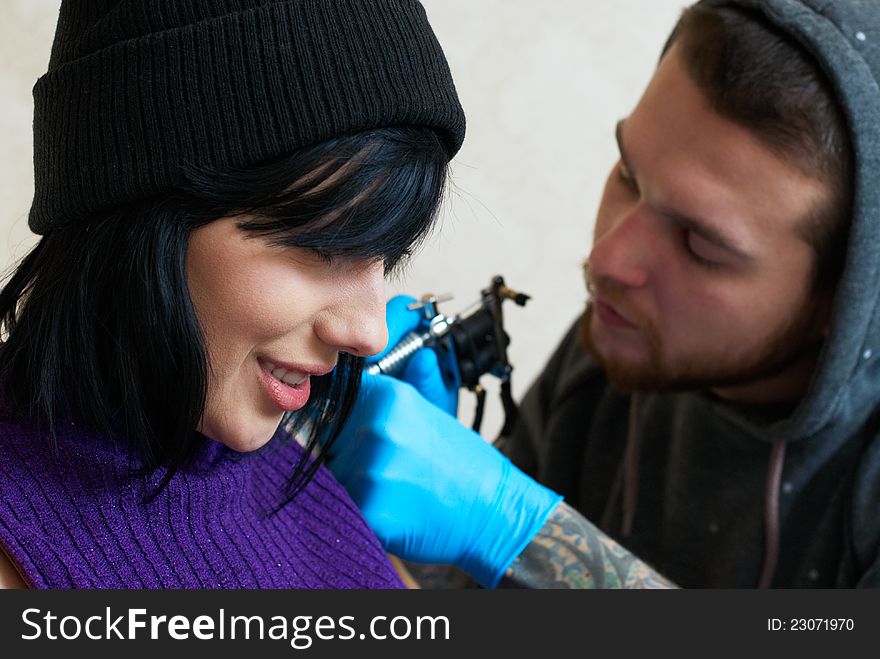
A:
(436, 378)
(433, 490)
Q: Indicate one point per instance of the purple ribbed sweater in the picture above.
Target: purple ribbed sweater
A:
(77, 519)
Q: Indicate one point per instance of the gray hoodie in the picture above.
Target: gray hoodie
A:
(713, 495)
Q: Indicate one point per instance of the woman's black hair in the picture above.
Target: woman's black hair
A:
(102, 333)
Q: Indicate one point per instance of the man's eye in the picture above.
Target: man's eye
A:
(701, 250)
(625, 177)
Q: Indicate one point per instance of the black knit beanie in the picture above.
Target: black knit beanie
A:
(138, 89)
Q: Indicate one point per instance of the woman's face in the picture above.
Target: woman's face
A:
(271, 317)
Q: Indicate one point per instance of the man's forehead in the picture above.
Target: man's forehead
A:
(701, 165)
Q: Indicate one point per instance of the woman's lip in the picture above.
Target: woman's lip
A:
(609, 315)
(309, 369)
(288, 397)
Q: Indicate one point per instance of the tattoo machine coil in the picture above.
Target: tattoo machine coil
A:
(476, 337)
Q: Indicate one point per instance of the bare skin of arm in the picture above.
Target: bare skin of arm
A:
(408, 580)
(9, 576)
(570, 552)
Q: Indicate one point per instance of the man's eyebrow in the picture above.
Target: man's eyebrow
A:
(699, 227)
(708, 233)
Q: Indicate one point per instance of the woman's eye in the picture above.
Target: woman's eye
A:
(322, 255)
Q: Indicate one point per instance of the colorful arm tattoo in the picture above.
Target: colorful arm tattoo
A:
(569, 552)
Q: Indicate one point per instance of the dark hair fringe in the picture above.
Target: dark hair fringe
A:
(101, 329)
(381, 208)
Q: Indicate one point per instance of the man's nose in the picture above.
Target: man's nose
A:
(624, 251)
(356, 323)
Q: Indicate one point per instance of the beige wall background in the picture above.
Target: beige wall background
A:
(543, 84)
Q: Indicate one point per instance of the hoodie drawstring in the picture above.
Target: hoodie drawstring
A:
(631, 464)
(771, 492)
(771, 515)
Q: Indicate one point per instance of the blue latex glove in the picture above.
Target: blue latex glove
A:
(436, 378)
(433, 490)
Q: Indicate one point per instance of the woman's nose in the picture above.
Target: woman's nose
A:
(356, 322)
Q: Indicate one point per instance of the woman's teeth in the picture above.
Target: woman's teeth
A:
(292, 378)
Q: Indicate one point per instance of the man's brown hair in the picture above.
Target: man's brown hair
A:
(760, 78)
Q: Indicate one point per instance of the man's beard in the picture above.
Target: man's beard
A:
(779, 351)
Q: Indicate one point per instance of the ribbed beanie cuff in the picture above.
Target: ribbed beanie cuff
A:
(138, 89)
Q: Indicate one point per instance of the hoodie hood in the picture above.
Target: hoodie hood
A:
(843, 36)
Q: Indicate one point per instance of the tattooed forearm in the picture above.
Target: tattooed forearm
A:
(569, 552)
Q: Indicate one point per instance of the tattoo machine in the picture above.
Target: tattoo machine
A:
(477, 338)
